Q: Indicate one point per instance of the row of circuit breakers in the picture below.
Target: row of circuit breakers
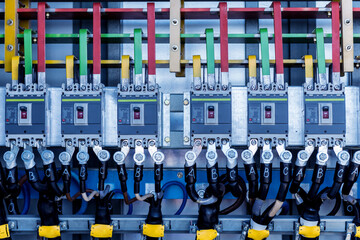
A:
(109, 115)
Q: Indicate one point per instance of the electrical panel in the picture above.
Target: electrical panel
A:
(25, 115)
(81, 115)
(138, 115)
(325, 115)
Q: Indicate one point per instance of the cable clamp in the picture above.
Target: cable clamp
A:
(153, 230)
(309, 231)
(258, 234)
(357, 232)
(101, 231)
(208, 234)
(49, 231)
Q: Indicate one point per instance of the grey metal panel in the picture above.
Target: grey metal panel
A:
(109, 115)
(53, 117)
(296, 109)
(2, 116)
(239, 103)
(165, 123)
(352, 107)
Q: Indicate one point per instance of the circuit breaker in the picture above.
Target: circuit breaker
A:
(210, 115)
(81, 115)
(325, 115)
(25, 115)
(138, 115)
(267, 115)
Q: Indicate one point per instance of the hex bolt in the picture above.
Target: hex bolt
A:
(190, 156)
(9, 156)
(64, 157)
(357, 156)
(211, 155)
(103, 154)
(344, 156)
(119, 157)
(82, 156)
(246, 155)
(322, 156)
(267, 155)
(231, 153)
(27, 155)
(139, 157)
(286, 155)
(158, 156)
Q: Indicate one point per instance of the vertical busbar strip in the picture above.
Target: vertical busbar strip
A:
(265, 62)
(309, 72)
(83, 57)
(15, 71)
(69, 64)
(41, 45)
(347, 35)
(151, 46)
(11, 30)
(138, 59)
(210, 58)
(197, 72)
(28, 56)
(279, 55)
(224, 42)
(252, 72)
(320, 56)
(335, 22)
(96, 45)
(125, 73)
(175, 41)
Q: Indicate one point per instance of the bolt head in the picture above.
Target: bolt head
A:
(167, 139)
(64, 157)
(190, 155)
(186, 139)
(179, 174)
(211, 155)
(232, 153)
(286, 155)
(9, 156)
(345, 156)
(323, 156)
(267, 155)
(119, 156)
(27, 155)
(186, 101)
(246, 155)
(139, 157)
(167, 102)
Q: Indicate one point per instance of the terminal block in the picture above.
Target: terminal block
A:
(81, 114)
(25, 115)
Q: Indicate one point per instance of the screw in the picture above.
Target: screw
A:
(8, 156)
(211, 155)
(303, 155)
(167, 102)
(281, 86)
(286, 155)
(96, 87)
(347, 21)
(348, 47)
(337, 87)
(253, 142)
(12, 224)
(224, 87)
(322, 156)
(186, 139)
(26, 155)
(47, 155)
(174, 48)
(158, 156)
(309, 87)
(151, 88)
(267, 155)
(324, 142)
(63, 225)
(344, 156)
(246, 154)
(167, 139)
(357, 156)
(152, 143)
(83, 87)
(232, 153)
(69, 143)
(179, 174)
(138, 143)
(82, 156)
(10, 47)
(96, 142)
(119, 156)
(175, 21)
(47, 15)
(139, 157)
(281, 142)
(186, 101)
(190, 155)
(64, 156)
(10, 22)
(102, 154)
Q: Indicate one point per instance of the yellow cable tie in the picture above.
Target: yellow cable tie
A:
(154, 230)
(49, 231)
(4, 231)
(258, 234)
(69, 62)
(357, 233)
(196, 66)
(207, 234)
(252, 65)
(309, 231)
(125, 67)
(101, 231)
(309, 69)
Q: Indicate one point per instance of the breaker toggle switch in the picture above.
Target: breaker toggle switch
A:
(136, 113)
(267, 111)
(23, 112)
(211, 112)
(326, 114)
(80, 112)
